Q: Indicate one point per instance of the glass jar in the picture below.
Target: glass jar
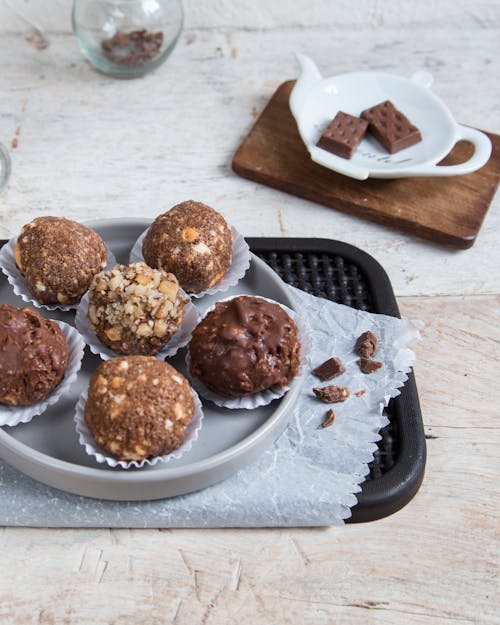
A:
(4, 166)
(127, 38)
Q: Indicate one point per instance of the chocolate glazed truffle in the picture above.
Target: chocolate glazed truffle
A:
(245, 345)
(33, 356)
(194, 242)
(138, 407)
(134, 309)
(58, 258)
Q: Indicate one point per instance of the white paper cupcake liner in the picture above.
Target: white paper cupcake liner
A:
(178, 340)
(19, 284)
(12, 415)
(240, 262)
(261, 398)
(87, 440)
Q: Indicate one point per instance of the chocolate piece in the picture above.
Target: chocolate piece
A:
(367, 365)
(58, 258)
(390, 127)
(343, 134)
(33, 356)
(134, 48)
(138, 407)
(194, 242)
(243, 346)
(366, 345)
(331, 368)
(329, 419)
(332, 394)
(360, 393)
(134, 309)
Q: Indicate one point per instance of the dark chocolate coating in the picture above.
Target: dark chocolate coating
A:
(33, 356)
(58, 258)
(138, 407)
(245, 345)
(390, 127)
(194, 242)
(343, 134)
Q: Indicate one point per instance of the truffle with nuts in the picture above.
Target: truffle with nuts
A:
(58, 259)
(193, 241)
(138, 407)
(134, 309)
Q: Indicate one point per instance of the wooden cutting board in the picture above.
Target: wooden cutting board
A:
(447, 210)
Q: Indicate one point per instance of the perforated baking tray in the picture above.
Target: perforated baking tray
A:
(347, 275)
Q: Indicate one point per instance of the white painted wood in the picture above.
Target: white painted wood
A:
(89, 146)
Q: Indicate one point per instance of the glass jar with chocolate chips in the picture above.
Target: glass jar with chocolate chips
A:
(127, 38)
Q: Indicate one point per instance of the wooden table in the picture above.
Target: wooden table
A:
(86, 146)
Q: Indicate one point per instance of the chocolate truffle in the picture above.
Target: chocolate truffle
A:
(33, 356)
(194, 242)
(138, 407)
(58, 258)
(134, 309)
(243, 346)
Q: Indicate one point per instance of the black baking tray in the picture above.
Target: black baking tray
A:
(347, 275)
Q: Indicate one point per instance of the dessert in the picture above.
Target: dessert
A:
(328, 420)
(134, 309)
(390, 127)
(194, 242)
(331, 368)
(243, 346)
(33, 356)
(367, 365)
(343, 134)
(138, 407)
(366, 344)
(332, 394)
(58, 258)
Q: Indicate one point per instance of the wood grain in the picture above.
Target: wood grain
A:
(447, 210)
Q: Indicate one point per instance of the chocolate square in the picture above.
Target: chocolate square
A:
(390, 127)
(343, 134)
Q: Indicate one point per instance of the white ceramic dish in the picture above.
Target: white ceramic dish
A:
(48, 449)
(315, 101)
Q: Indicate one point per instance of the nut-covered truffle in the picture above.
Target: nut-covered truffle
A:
(138, 407)
(33, 356)
(58, 258)
(194, 242)
(134, 309)
(243, 346)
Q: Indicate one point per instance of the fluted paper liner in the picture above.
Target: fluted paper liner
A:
(87, 440)
(12, 415)
(240, 262)
(178, 340)
(19, 284)
(262, 398)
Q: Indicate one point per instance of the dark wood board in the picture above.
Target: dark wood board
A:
(448, 210)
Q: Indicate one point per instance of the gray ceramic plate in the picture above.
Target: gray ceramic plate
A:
(48, 450)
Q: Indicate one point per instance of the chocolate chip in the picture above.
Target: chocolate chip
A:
(367, 365)
(331, 368)
(366, 345)
(332, 394)
(329, 419)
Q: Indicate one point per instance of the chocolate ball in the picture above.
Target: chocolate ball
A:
(245, 345)
(194, 242)
(138, 407)
(134, 309)
(58, 258)
(33, 356)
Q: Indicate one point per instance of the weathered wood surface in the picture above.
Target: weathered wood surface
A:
(88, 146)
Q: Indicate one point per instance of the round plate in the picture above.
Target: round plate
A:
(315, 101)
(48, 450)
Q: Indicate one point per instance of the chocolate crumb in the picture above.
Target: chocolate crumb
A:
(329, 419)
(366, 345)
(332, 394)
(134, 48)
(360, 393)
(367, 365)
(331, 368)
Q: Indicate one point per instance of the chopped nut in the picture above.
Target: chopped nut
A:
(116, 382)
(62, 298)
(201, 248)
(190, 234)
(331, 368)
(114, 333)
(329, 419)
(144, 330)
(168, 288)
(366, 345)
(92, 315)
(124, 365)
(17, 255)
(367, 365)
(142, 279)
(332, 394)
(160, 328)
